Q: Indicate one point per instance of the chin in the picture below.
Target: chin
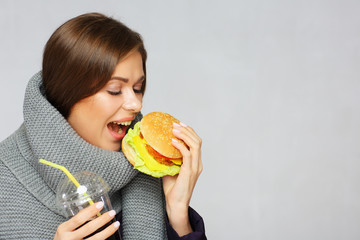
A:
(115, 148)
(110, 146)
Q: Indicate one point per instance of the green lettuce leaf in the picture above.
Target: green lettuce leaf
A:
(140, 163)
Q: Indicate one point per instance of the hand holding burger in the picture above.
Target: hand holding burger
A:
(149, 148)
(183, 148)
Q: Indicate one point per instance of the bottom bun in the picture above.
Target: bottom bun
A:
(129, 152)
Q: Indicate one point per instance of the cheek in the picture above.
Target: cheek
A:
(106, 106)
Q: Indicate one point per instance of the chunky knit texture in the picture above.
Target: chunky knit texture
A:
(27, 188)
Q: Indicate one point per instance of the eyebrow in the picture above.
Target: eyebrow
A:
(142, 78)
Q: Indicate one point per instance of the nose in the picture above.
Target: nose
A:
(132, 101)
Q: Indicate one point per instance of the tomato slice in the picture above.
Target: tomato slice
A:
(158, 157)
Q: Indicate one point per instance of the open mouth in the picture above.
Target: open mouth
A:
(118, 127)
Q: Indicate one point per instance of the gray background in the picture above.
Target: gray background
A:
(272, 87)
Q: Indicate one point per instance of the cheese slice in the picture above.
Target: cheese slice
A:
(149, 161)
(177, 161)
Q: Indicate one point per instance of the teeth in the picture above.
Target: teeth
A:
(123, 123)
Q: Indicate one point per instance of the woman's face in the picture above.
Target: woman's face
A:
(103, 118)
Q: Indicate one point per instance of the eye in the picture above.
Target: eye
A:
(114, 93)
(138, 88)
(138, 91)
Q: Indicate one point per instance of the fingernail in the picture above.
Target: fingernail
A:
(183, 124)
(116, 224)
(176, 124)
(174, 140)
(176, 130)
(112, 213)
(99, 205)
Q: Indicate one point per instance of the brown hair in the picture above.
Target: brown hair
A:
(81, 55)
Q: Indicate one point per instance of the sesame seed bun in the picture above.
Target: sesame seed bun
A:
(128, 151)
(148, 145)
(156, 128)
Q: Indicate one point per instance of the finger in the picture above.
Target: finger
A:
(188, 132)
(184, 152)
(191, 132)
(194, 144)
(107, 232)
(83, 216)
(189, 128)
(191, 139)
(95, 224)
(189, 136)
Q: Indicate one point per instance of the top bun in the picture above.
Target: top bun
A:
(156, 128)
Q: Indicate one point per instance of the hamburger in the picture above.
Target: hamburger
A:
(148, 145)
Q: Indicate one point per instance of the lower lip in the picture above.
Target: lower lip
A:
(118, 136)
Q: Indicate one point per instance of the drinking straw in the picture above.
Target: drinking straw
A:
(70, 176)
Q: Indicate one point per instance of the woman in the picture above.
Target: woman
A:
(93, 74)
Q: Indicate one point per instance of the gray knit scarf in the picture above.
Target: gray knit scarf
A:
(49, 135)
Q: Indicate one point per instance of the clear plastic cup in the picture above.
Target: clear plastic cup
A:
(71, 199)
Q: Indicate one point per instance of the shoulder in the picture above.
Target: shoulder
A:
(9, 147)
(10, 161)
(10, 187)
(8, 184)
(8, 155)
